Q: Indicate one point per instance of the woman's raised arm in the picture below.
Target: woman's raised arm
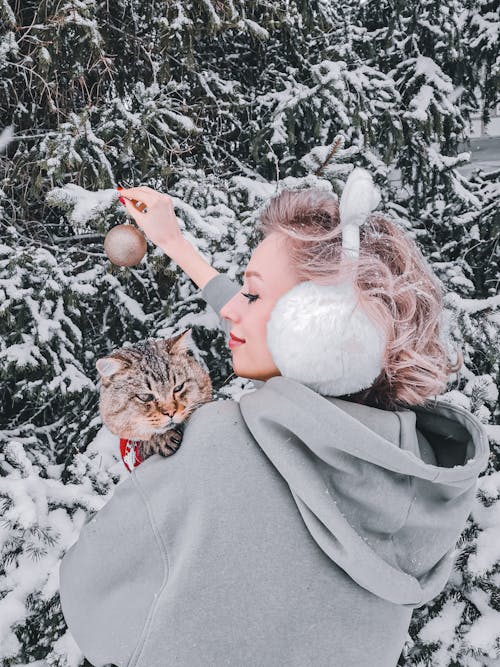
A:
(160, 225)
(191, 262)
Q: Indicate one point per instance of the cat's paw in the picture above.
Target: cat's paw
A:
(164, 444)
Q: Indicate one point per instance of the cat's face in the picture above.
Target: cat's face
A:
(149, 387)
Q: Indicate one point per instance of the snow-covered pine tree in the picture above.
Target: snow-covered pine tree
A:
(481, 29)
(426, 48)
(418, 46)
(213, 102)
(62, 304)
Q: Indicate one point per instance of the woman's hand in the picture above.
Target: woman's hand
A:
(159, 223)
(160, 226)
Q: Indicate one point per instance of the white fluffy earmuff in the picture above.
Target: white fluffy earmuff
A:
(318, 334)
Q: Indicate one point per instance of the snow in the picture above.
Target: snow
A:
(8, 45)
(482, 633)
(254, 28)
(182, 120)
(290, 117)
(33, 496)
(493, 431)
(473, 306)
(438, 91)
(77, 381)
(133, 306)
(83, 204)
(432, 73)
(33, 501)
(23, 354)
(179, 21)
(488, 26)
(464, 193)
(6, 137)
(443, 162)
(213, 14)
(486, 555)
(441, 629)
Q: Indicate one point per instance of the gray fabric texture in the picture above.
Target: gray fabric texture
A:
(289, 529)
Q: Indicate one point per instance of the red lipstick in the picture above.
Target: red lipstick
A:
(234, 341)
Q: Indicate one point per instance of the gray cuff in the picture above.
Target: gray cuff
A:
(217, 292)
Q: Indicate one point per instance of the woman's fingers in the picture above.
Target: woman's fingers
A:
(142, 199)
(158, 221)
(135, 213)
(144, 188)
(145, 194)
(147, 201)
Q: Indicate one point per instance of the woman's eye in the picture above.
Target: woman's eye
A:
(251, 297)
(179, 386)
(146, 398)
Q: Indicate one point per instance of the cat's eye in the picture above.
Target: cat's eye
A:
(179, 386)
(146, 398)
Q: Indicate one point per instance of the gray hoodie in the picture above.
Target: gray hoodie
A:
(289, 529)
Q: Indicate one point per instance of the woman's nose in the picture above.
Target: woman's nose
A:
(229, 310)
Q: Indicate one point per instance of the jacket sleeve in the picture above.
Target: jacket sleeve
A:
(109, 577)
(217, 292)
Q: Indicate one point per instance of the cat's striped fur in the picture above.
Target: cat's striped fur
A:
(148, 391)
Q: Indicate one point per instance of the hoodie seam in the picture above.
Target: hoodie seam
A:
(411, 481)
(136, 654)
(413, 497)
(411, 500)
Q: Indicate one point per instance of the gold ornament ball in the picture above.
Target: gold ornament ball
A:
(125, 245)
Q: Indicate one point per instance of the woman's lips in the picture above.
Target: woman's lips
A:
(234, 341)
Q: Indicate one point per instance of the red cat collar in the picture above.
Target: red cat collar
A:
(129, 449)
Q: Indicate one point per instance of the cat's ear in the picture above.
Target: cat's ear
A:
(108, 366)
(182, 342)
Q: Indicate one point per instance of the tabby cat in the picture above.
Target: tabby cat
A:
(149, 390)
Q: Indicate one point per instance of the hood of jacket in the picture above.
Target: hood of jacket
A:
(385, 494)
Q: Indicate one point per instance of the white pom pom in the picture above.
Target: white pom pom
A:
(317, 336)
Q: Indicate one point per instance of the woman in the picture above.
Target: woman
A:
(302, 525)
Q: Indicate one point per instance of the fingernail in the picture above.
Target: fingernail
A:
(121, 200)
(119, 187)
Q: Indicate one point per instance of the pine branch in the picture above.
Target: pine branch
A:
(338, 141)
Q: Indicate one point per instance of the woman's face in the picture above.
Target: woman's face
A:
(249, 317)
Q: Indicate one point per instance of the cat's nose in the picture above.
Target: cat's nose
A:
(167, 411)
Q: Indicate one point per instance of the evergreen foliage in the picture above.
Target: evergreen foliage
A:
(219, 103)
